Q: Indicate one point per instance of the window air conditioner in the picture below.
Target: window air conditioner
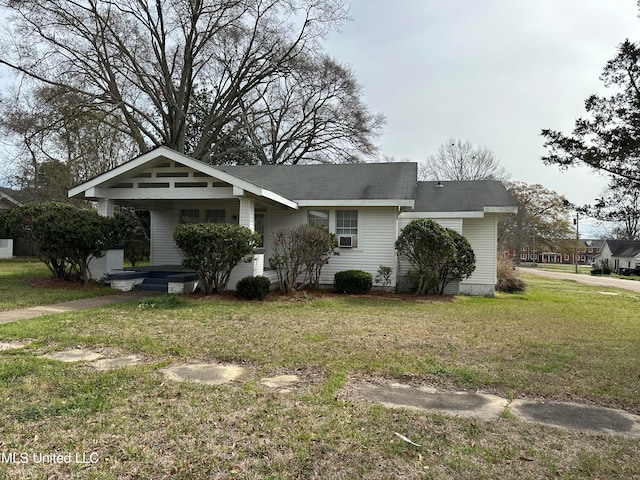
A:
(347, 241)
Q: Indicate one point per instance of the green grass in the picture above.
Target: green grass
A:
(560, 267)
(558, 340)
(21, 285)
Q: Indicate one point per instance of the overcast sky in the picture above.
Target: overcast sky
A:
(494, 72)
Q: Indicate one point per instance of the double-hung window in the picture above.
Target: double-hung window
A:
(215, 215)
(346, 222)
(259, 221)
(189, 215)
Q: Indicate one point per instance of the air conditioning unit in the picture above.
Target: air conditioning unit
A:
(347, 241)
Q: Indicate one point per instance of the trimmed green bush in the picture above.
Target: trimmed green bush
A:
(253, 288)
(354, 282)
(601, 270)
(213, 250)
(66, 237)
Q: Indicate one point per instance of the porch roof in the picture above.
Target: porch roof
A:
(105, 186)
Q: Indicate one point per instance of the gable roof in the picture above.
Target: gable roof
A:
(624, 248)
(382, 183)
(89, 188)
(486, 196)
(12, 197)
(373, 184)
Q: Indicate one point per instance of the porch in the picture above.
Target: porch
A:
(174, 279)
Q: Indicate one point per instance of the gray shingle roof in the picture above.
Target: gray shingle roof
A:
(361, 181)
(624, 248)
(471, 196)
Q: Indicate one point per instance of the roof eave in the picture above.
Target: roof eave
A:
(502, 209)
(357, 203)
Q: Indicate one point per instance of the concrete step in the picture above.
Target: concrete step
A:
(155, 281)
(153, 287)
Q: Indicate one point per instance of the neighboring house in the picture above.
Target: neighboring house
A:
(8, 199)
(8, 202)
(619, 254)
(365, 205)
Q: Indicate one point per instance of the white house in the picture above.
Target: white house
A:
(8, 202)
(365, 205)
(619, 254)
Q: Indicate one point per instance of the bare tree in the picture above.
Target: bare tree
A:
(458, 160)
(542, 219)
(141, 62)
(59, 142)
(314, 113)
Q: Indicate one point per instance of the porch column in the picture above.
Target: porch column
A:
(247, 213)
(105, 207)
(256, 265)
(112, 259)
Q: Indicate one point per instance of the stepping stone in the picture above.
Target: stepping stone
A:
(12, 345)
(573, 416)
(74, 355)
(107, 363)
(463, 404)
(209, 373)
(281, 382)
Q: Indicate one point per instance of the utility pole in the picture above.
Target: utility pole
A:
(577, 223)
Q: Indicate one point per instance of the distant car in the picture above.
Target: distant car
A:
(627, 272)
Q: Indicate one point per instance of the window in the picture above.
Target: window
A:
(318, 218)
(523, 256)
(259, 227)
(347, 222)
(190, 215)
(215, 215)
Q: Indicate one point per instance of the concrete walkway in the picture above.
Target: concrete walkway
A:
(8, 316)
(593, 280)
(570, 416)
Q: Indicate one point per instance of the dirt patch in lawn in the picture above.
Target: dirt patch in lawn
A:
(57, 283)
(319, 294)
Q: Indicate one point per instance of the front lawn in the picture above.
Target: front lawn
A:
(559, 340)
(27, 283)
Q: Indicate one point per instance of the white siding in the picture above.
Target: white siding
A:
(482, 234)
(376, 238)
(376, 245)
(163, 248)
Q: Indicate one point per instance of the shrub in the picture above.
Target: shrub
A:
(253, 288)
(354, 282)
(4, 228)
(67, 238)
(437, 255)
(508, 280)
(134, 228)
(298, 249)
(213, 250)
(601, 270)
(460, 264)
(383, 276)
